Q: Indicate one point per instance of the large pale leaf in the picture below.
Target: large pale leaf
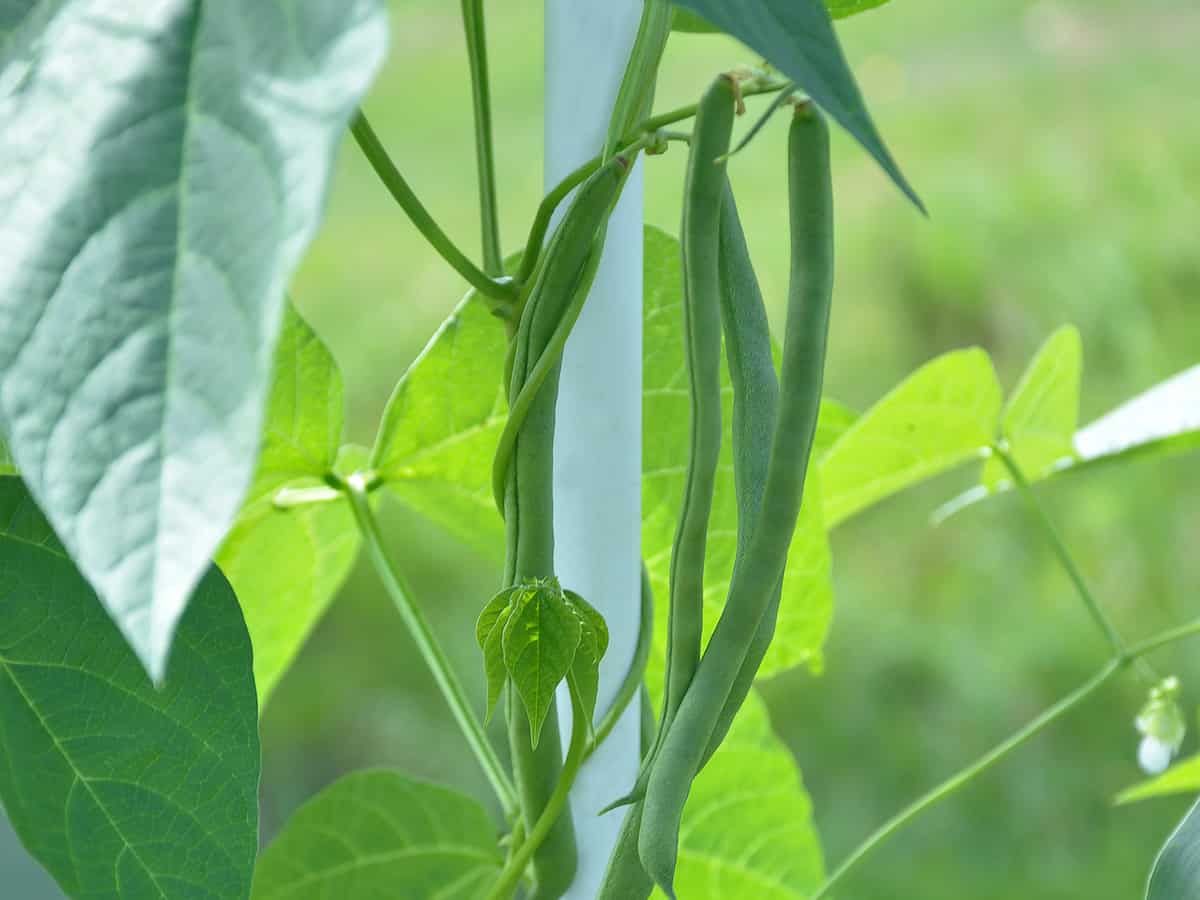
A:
(806, 602)
(163, 164)
(1176, 872)
(1041, 416)
(441, 426)
(117, 788)
(377, 835)
(797, 37)
(286, 564)
(1181, 778)
(747, 828)
(942, 415)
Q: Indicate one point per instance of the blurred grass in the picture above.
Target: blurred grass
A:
(1053, 144)
(1057, 147)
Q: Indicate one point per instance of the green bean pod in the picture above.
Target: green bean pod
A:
(756, 580)
(524, 465)
(704, 189)
(755, 408)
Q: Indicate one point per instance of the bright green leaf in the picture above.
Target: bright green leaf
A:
(1162, 421)
(1176, 872)
(584, 675)
(377, 835)
(807, 598)
(1181, 778)
(942, 415)
(747, 827)
(494, 669)
(441, 426)
(797, 37)
(540, 639)
(687, 21)
(165, 166)
(1041, 416)
(120, 789)
(286, 564)
(489, 632)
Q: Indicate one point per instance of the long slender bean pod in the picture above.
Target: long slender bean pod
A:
(750, 592)
(755, 408)
(703, 192)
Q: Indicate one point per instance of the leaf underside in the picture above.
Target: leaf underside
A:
(164, 166)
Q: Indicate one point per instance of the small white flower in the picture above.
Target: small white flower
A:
(1154, 755)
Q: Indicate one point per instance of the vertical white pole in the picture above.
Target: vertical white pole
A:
(597, 447)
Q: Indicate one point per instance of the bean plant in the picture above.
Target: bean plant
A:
(178, 506)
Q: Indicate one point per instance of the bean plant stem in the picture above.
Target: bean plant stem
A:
(473, 25)
(356, 490)
(638, 136)
(1060, 549)
(514, 869)
(1120, 661)
(377, 156)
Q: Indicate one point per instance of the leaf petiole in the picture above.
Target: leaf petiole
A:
(356, 488)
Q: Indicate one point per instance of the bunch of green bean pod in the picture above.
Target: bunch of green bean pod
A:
(524, 468)
(754, 587)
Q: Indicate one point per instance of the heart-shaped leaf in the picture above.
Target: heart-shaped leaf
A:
(377, 835)
(120, 789)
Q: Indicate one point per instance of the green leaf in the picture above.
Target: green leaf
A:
(286, 564)
(807, 600)
(1042, 414)
(842, 9)
(540, 639)
(489, 632)
(1162, 421)
(747, 828)
(165, 167)
(117, 788)
(442, 424)
(797, 37)
(942, 415)
(687, 21)
(584, 675)
(1176, 872)
(1181, 778)
(377, 835)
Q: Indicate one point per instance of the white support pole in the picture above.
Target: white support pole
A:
(597, 445)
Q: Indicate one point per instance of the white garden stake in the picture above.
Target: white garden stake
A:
(597, 445)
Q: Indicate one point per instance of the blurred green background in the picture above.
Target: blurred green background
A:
(1057, 146)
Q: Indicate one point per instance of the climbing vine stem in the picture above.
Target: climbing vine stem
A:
(1118, 663)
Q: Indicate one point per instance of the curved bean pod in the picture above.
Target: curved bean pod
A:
(703, 192)
(756, 580)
